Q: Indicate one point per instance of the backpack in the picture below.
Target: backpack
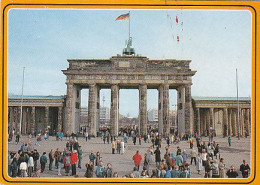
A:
(60, 158)
(67, 160)
(100, 172)
(215, 171)
(42, 160)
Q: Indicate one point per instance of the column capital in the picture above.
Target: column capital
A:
(92, 84)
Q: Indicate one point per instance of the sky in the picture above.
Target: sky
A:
(217, 42)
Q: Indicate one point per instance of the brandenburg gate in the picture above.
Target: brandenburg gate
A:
(128, 72)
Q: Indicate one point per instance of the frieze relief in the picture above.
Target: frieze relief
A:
(127, 77)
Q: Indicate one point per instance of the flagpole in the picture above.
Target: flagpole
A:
(21, 114)
(129, 27)
(238, 112)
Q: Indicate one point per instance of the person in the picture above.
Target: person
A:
(137, 159)
(38, 140)
(30, 164)
(244, 168)
(51, 159)
(204, 157)
(144, 174)
(43, 161)
(67, 163)
(216, 151)
(154, 174)
(118, 147)
(193, 156)
(191, 143)
(115, 175)
(147, 161)
(175, 173)
(221, 166)
(86, 136)
(140, 139)
(113, 146)
(168, 172)
(14, 166)
(92, 157)
(199, 163)
(60, 162)
(186, 172)
(109, 171)
(179, 159)
(79, 156)
(74, 160)
(23, 168)
(90, 170)
(168, 142)
(17, 138)
(232, 173)
(56, 154)
(61, 136)
(215, 169)
(136, 172)
(104, 139)
(157, 153)
(122, 146)
(134, 139)
(208, 168)
(97, 158)
(229, 141)
(36, 157)
(100, 170)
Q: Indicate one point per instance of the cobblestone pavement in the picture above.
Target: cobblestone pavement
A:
(123, 164)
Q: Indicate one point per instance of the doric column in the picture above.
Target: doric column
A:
(46, 118)
(198, 121)
(160, 109)
(230, 122)
(248, 121)
(166, 120)
(143, 109)
(70, 109)
(202, 117)
(242, 121)
(11, 120)
(225, 122)
(24, 121)
(18, 119)
(234, 122)
(98, 109)
(181, 109)
(208, 120)
(92, 109)
(114, 110)
(188, 109)
(212, 117)
(33, 120)
(59, 119)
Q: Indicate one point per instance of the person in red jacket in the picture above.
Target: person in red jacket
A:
(74, 160)
(137, 159)
(67, 162)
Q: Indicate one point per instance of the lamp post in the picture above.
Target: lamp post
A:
(21, 112)
(238, 112)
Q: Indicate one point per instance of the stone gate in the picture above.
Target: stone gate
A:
(134, 72)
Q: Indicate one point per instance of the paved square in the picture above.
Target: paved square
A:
(123, 163)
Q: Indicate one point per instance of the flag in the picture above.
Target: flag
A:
(122, 17)
(177, 20)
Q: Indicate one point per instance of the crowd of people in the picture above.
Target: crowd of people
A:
(205, 156)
